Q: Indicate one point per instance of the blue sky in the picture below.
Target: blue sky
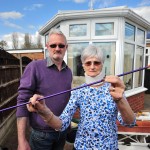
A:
(28, 16)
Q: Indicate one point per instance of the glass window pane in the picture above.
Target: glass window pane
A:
(128, 65)
(76, 30)
(104, 29)
(109, 49)
(139, 63)
(46, 39)
(129, 32)
(140, 36)
(46, 53)
(148, 34)
(74, 62)
(74, 58)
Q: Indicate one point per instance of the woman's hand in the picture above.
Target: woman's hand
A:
(40, 107)
(117, 87)
(37, 106)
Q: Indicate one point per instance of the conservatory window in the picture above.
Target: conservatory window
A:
(139, 64)
(129, 32)
(109, 49)
(128, 65)
(74, 58)
(104, 29)
(76, 30)
(140, 36)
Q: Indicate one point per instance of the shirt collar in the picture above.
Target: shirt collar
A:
(51, 63)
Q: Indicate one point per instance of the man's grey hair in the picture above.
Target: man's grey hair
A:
(92, 51)
(56, 31)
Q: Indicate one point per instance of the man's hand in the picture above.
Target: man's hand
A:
(24, 145)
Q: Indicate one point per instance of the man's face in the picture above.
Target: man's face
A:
(57, 47)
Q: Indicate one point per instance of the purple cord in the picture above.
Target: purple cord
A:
(123, 74)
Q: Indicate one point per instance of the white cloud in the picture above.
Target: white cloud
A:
(144, 3)
(33, 7)
(143, 12)
(31, 27)
(104, 3)
(34, 37)
(12, 25)
(8, 38)
(76, 1)
(79, 1)
(10, 15)
(37, 5)
(64, 0)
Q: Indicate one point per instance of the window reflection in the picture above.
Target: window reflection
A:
(74, 58)
(46, 39)
(139, 63)
(109, 49)
(133, 55)
(140, 36)
(128, 65)
(104, 29)
(76, 30)
(129, 32)
(74, 62)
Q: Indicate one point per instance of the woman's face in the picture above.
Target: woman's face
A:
(92, 66)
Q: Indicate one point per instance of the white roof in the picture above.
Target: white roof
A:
(22, 51)
(122, 11)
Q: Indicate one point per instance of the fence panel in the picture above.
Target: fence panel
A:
(9, 82)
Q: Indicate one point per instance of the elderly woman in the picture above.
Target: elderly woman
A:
(100, 106)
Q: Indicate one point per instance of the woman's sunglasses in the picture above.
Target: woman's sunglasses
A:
(89, 63)
(59, 45)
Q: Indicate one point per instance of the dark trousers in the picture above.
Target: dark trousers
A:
(53, 140)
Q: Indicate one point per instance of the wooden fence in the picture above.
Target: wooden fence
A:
(9, 82)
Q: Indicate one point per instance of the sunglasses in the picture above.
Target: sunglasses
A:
(95, 63)
(59, 45)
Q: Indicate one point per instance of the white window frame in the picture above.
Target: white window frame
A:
(103, 20)
(136, 44)
(77, 22)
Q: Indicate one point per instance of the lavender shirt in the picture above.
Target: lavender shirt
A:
(43, 77)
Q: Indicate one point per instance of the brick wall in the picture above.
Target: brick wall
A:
(137, 102)
(148, 44)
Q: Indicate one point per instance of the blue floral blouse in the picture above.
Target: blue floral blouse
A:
(97, 129)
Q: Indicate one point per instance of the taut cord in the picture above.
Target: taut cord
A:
(123, 74)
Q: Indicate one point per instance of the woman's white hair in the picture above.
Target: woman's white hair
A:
(92, 51)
